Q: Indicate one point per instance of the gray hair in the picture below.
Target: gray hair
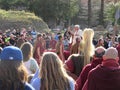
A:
(111, 53)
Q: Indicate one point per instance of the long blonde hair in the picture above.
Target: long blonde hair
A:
(53, 75)
(87, 45)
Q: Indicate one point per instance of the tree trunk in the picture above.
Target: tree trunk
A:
(101, 18)
(89, 12)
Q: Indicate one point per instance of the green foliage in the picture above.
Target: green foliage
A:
(58, 9)
(17, 15)
(21, 19)
(73, 9)
(110, 12)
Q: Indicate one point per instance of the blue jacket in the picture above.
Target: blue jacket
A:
(36, 83)
(28, 87)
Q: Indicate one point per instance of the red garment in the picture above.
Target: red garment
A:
(104, 77)
(52, 43)
(83, 76)
(66, 54)
(75, 65)
(70, 65)
(42, 49)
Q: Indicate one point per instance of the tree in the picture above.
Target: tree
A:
(58, 9)
(110, 12)
(89, 12)
(8, 4)
(101, 15)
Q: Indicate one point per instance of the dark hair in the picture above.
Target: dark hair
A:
(13, 75)
(99, 55)
(39, 35)
(59, 37)
(118, 39)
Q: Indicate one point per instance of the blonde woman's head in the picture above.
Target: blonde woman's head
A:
(52, 74)
(51, 63)
(87, 45)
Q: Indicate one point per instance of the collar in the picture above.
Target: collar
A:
(110, 63)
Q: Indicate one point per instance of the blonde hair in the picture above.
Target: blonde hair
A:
(53, 75)
(87, 46)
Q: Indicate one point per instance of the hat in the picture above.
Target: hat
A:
(11, 53)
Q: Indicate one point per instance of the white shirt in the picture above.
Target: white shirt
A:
(77, 34)
(31, 65)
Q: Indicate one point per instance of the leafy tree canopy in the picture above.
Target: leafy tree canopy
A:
(110, 12)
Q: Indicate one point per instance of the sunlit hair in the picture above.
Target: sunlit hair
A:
(87, 45)
(75, 48)
(27, 50)
(53, 75)
(13, 75)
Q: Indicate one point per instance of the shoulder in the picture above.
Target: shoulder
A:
(87, 67)
(80, 31)
(28, 87)
(36, 80)
(36, 83)
(72, 83)
(32, 60)
(95, 70)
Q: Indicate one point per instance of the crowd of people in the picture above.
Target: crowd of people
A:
(74, 60)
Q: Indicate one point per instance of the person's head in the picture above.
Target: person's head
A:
(78, 40)
(77, 27)
(13, 71)
(51, 70)
(118, 39)
(100, 41)
(39, 36)
(75, 48)
(22, 36)
(111, 53)
(87, 44)
(12, 36)
(44, 35)
(99, 52)
(27, 50)
(60, 37)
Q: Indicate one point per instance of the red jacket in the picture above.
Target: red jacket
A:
(104, 77)
(83, 76)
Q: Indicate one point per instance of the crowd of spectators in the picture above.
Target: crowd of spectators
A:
(74, 60)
